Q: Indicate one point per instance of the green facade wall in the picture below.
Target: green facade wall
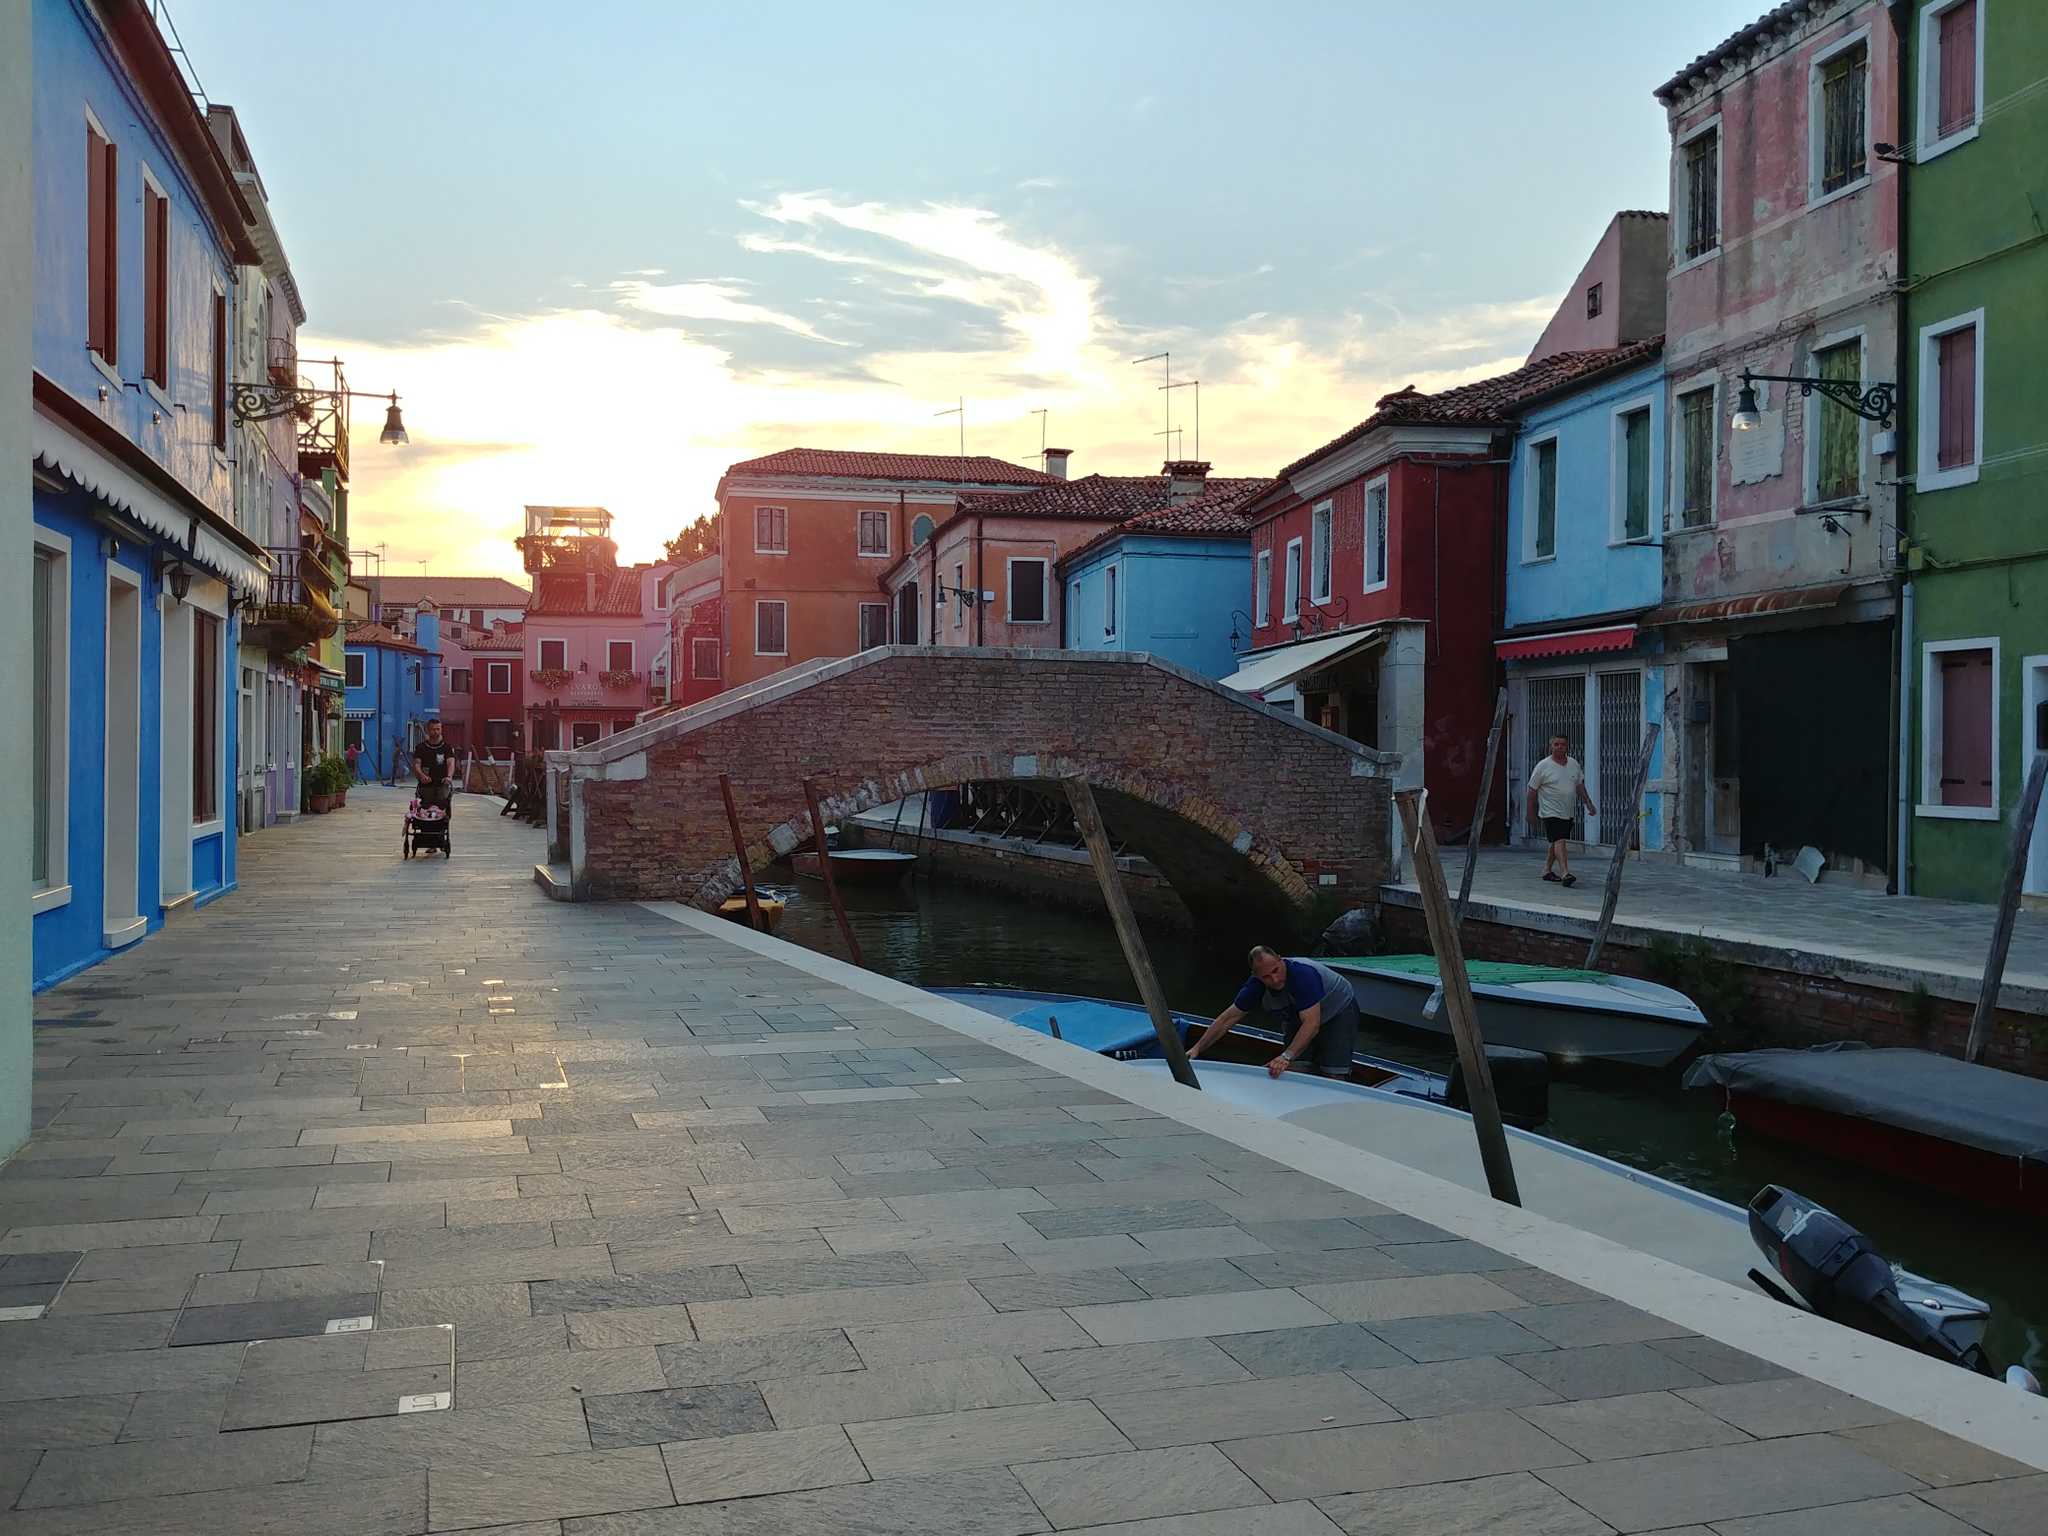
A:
(1977, 238)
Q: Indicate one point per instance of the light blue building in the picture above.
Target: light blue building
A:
(1584, 560)
(394, 689)
(139, 570)
(1168, 581)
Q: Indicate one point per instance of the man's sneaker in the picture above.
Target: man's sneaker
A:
(1569, 880)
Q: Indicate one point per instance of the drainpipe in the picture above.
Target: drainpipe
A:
(1902, 18)
(978, 587)
(1902, 768)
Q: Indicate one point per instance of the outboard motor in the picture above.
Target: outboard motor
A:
(1838, 1273)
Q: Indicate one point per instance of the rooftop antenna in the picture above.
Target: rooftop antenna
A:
(959, 410)
(1196, 386)
(1042, 415)
(1175, 434)
(1166, 358)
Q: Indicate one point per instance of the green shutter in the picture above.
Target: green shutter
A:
(1636, 513)
(1546, 499)
(1841, 439)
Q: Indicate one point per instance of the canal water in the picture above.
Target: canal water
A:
(945, 935)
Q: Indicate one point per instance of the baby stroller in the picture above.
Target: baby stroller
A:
(428, 824)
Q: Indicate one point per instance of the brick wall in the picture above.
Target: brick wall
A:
(1790, 1008)
(1237, 805)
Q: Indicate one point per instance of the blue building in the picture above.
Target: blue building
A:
(1584, 564)
(139, 570)
(1167, 581)
(394, 689)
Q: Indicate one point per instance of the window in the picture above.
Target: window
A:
(497, 677)
(1699, 196)
(1290, 607)
(1632, 432)
(661, 593)
(1542, 543)
(1376, 535)
(874, 625)
(476, 617)
(459, 680)
(618, 656)
(498, 735)
(874, 533)
(1319, 553)
(1262, 590)
(584, 733)
(1028, 598)
(703, 656)
(206, 723)
(1109, 600)
(1838, 107)
(771, 530)
(156, 284)
(1959, 730)
(1838, 431)
(355, 672)
(771, 627)
(1695, 455)
(920, 530)
(103, 245)
(554, 656)
(219, 382)
(50, 719)
(959, 595)
(1593, 302)
(1951, 402)
(1951, 75)
(352, 735)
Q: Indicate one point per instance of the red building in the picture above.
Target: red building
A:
(1377, 579)
(494, 679)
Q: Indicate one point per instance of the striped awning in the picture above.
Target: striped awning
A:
(1567, 642)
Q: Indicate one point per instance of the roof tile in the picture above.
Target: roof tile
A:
(843, 464)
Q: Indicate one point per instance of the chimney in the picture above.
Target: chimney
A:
(589, 591)
(1056, 462)
(1186, 479)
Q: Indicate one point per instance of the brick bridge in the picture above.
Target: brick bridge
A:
(1245, 810)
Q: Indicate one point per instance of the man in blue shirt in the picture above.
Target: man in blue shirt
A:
(1309, 1004)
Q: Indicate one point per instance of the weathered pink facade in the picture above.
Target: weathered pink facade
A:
(1618, 296)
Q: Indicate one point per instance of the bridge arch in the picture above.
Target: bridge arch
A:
(1243, 809)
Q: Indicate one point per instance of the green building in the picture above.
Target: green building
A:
(1973, 436)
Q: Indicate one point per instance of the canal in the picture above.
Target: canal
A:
(947, 935)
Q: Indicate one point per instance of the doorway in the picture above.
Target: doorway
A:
(174, 776)
(122, 854)
(906, 614)
(583, 734)
(1724, 761)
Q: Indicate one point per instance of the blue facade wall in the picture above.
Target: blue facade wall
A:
(400, 693)
(1592, 572)
(1175, 596)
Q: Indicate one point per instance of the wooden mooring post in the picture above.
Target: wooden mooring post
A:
(1089, 820)
(1457, 998)
(1622, 845)
(739, 851)
(1500, 715)
(825, 873)
(2008, 906)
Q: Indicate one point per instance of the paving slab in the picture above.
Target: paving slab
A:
(546, 1487)
(1306, 1351)
(1199, 1316)
(1647, 1493)
(899, 1391)
(1136, 1485)
(1021, 1334)
(772, 1461)
(986, 1501)
(983, 1437)
(759, 1357)
(1513, 1503)
(140, 1469)
(1127, 1368)
(1395, 1455)
(674, 1413)
(387, 1447)
(1227, 1410)
(354, 1506)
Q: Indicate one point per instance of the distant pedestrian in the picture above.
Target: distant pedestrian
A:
(1557, 787)
(399, 758)
(354, 754)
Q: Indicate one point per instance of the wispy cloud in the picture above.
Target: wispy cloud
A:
(709, 301)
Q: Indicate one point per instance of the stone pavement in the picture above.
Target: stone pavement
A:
(1945, 941)
(382, 1198)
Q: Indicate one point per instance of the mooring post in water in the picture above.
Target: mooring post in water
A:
(1622, 844)
(825, 872)
(1086, 817)
(1457, 993)
(1500, 715)
(739, 851)
(2008, 906)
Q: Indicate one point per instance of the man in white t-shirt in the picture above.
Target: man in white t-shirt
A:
(1557, 785)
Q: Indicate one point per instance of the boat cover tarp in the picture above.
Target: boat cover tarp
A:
(1939, 1096)
(1483, 973)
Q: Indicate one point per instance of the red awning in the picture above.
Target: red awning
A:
(1570, 642)
(1756, 605)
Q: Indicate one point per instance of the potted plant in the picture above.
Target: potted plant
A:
(337, 779)
(320, 787)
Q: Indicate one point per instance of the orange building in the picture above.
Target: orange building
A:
(806, 535)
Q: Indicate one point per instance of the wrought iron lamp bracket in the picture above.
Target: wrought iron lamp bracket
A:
(267, 402)
(1876, 403)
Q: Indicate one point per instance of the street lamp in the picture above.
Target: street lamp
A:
(267, 401)
(1875, 403)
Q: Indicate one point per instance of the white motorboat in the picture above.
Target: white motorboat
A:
(1571, 1014)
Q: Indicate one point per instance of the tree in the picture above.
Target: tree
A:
(695, 542)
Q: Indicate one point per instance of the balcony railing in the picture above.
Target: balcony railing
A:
(298, 606)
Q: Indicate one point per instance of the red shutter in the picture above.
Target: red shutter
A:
(1958, 100)
(220, 370)
(1957, 362)
(99, 244)
(157, 288)
(1966, 744)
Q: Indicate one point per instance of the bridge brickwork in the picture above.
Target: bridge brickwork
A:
(1246, 811)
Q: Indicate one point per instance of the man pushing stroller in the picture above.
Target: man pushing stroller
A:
(432, 761)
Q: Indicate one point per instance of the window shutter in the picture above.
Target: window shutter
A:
(220, 370)
(99, 171)
(1966, 728)
(1957, 363)
(1958, 55)
(1636, 515)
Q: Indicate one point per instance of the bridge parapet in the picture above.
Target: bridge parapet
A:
(1243, 808)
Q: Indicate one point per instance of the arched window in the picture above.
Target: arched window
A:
(920, 530)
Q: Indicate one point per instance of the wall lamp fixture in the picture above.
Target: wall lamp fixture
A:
(1876, 403)
(267, 402)
(178, 577)
(1239, 641)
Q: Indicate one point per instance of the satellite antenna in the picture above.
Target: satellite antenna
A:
(1166, 358)
(1196, 386)
(959, 410)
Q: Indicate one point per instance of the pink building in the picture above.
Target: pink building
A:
(596, 641)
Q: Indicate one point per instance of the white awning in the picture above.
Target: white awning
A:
(1282, 665)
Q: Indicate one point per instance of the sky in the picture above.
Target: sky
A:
(604, 250)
